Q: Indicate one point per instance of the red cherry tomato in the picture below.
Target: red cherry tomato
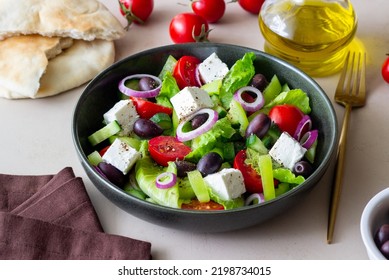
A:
(137, 11)
(103, 150)
(185, 71)
(188, 27)
(167, 148)
(286, 117)
(146, 109)
(197, 205)
(251, 6)
(211, 10)
(252, 179)
(385, 70)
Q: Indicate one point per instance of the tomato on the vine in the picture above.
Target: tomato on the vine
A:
(188, 27)
(251, 6)
(211, 10)
(185, 71)
(137, 11)
(385, 69)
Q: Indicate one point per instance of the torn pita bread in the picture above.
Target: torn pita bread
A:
(75, 66)
(85, 19)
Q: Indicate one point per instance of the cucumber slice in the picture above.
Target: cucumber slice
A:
(168, 67)
(104, 133)
(266, 172)
(163, 120)
(256, 144)
(237, 115)
(94, 158)
(272, 90)
(198, 185)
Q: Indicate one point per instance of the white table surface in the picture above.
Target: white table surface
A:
(36, 139)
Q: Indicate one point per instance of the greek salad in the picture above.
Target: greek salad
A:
(203, 135)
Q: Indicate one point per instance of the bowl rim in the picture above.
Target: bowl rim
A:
(366, 224)
(319, 170)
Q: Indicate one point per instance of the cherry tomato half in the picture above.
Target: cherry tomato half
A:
(251, 6)
(385, 70)
(167, 148)
(137, 11)
(210, 10)
(188, 27)
(185, 71)
(286, 117)
(146, 109)
(197, 205)
(252, 179)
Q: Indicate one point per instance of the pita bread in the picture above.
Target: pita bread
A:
(75, 66)
(86, 19)
(24, 59)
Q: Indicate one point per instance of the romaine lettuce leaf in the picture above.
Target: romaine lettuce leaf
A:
(286, 176)
(295, 97)
(169, 88)
(207, 141)
(146, 172)
(239, 76)
(228, 204)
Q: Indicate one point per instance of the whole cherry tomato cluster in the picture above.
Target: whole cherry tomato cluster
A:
(186, 27)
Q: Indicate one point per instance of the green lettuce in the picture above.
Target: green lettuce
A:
(169, 88)
(207, 141)
(228, 204)
(296, 97)
(239, 76)
(146, 172)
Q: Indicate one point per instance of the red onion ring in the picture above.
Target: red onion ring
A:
(207, 125)
(303, 126)
(140, 93)
(166, 180)
(309, 138)
(250, 106)
(255, 196)
(198, 76)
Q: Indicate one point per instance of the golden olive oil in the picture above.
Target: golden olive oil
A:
(311, 34)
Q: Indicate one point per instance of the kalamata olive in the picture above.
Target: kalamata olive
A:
(382, 235)
(199, 120)
(209, 163)
(385, 249)
(113, 174)
(259, 125)
(303, 168)
(259, 81)
(183, 167)
(147, 83)
(146, 128)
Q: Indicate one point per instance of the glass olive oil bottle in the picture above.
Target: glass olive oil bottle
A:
(314, 35)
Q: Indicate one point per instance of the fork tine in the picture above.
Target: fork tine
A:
(343, 75)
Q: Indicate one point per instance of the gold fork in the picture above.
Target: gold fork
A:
(350, 92)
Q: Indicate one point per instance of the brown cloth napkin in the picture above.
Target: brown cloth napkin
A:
(51, 217)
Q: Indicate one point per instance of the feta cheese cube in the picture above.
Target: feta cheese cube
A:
(212, 68)
(227, 183)
(124, 112)
(121, 155)
(189, 100)
(287, 151)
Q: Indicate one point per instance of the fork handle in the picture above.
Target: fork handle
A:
(336, 189)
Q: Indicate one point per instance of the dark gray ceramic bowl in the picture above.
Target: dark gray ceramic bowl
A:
(100, 95)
